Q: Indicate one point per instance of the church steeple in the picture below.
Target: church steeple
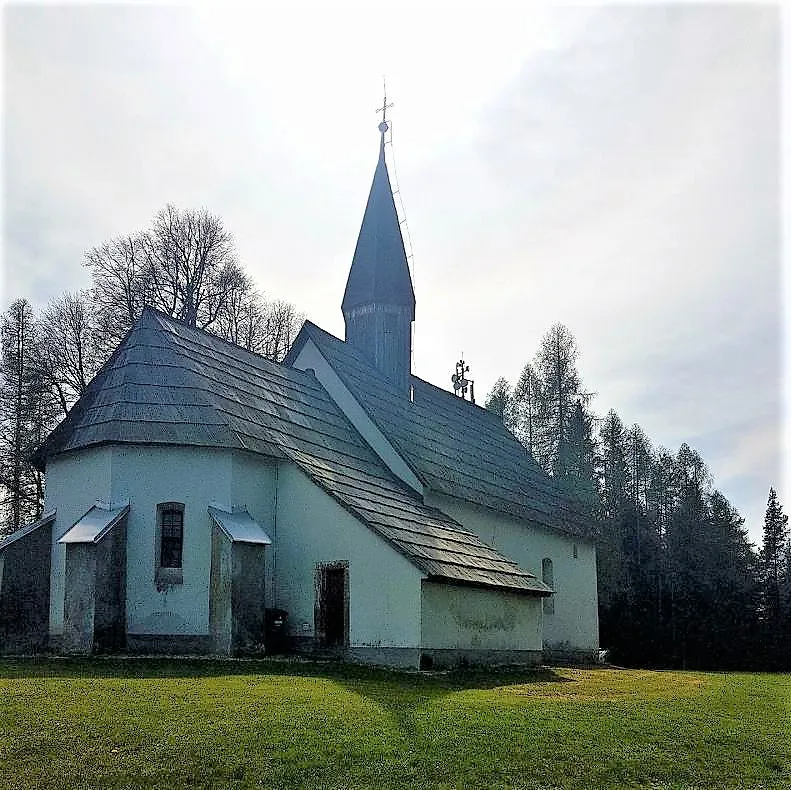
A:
(379, 301)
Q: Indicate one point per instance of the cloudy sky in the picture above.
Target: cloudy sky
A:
(616, 169)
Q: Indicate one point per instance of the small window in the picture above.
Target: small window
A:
(575, 551)
(170, 543)
(548, 577)
(172, 525)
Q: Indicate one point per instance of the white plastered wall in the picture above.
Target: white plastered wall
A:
(73, 484)
(574, 625)
(384, 588)
(470, 618)
(148, 475)
(253, 482)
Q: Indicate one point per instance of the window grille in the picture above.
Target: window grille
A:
(171, 523)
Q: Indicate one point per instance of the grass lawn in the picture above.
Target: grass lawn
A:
(167, 724)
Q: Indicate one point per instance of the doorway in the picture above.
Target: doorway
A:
(332, 604)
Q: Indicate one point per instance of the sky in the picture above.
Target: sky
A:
(616, 169)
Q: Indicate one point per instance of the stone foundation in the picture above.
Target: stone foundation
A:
(569, 656)
(416, 657)
(452, 658)
(170, 644)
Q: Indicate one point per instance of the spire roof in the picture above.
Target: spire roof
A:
(379, 272)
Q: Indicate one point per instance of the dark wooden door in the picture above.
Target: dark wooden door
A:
(334, 607)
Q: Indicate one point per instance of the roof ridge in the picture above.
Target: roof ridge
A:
(447, 393)
(216, 338)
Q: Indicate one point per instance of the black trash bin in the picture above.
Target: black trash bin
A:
(276, 635)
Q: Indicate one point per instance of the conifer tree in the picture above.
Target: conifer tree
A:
(555, 367)
(500, 401)
(615, 509)
(613, 466)
(527, 404)
(729, 624)
(686, 551)
(662, 496)
(579, 463)
(775, 574)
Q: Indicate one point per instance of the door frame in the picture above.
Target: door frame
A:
(319, 611)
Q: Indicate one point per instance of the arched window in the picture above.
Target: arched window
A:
(548, 577)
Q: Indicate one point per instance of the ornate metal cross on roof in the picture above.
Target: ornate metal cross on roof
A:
(383, 127)
(461, 383)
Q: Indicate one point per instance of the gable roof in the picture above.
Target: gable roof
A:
(455, 447)
(168, 383)
(379, 272)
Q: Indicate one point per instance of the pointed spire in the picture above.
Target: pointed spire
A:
(379, 301)
(379, 272)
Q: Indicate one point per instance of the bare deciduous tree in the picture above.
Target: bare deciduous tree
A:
(120, 287)
(185, 264)
(67, 347)
(190, 266)
(281, 325)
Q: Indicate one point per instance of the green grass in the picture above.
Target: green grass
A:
(168, 724)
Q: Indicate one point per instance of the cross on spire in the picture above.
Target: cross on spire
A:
(384, 126)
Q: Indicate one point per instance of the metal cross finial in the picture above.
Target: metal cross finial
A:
(461, 383)
(384, 126)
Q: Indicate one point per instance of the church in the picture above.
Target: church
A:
(196, 486)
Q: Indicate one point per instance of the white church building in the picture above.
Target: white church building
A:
(196, 485)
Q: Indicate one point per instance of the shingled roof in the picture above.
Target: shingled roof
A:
(455, 447)
(168, 383)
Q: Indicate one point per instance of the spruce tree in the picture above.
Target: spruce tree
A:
(731, 591)
(579, 463)
(614, 595)
(561, 387)
(775, 583)
(527, 404)
(500, 401)
(686, 556)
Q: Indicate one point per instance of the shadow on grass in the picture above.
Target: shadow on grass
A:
(366, 680)
(400, 694)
